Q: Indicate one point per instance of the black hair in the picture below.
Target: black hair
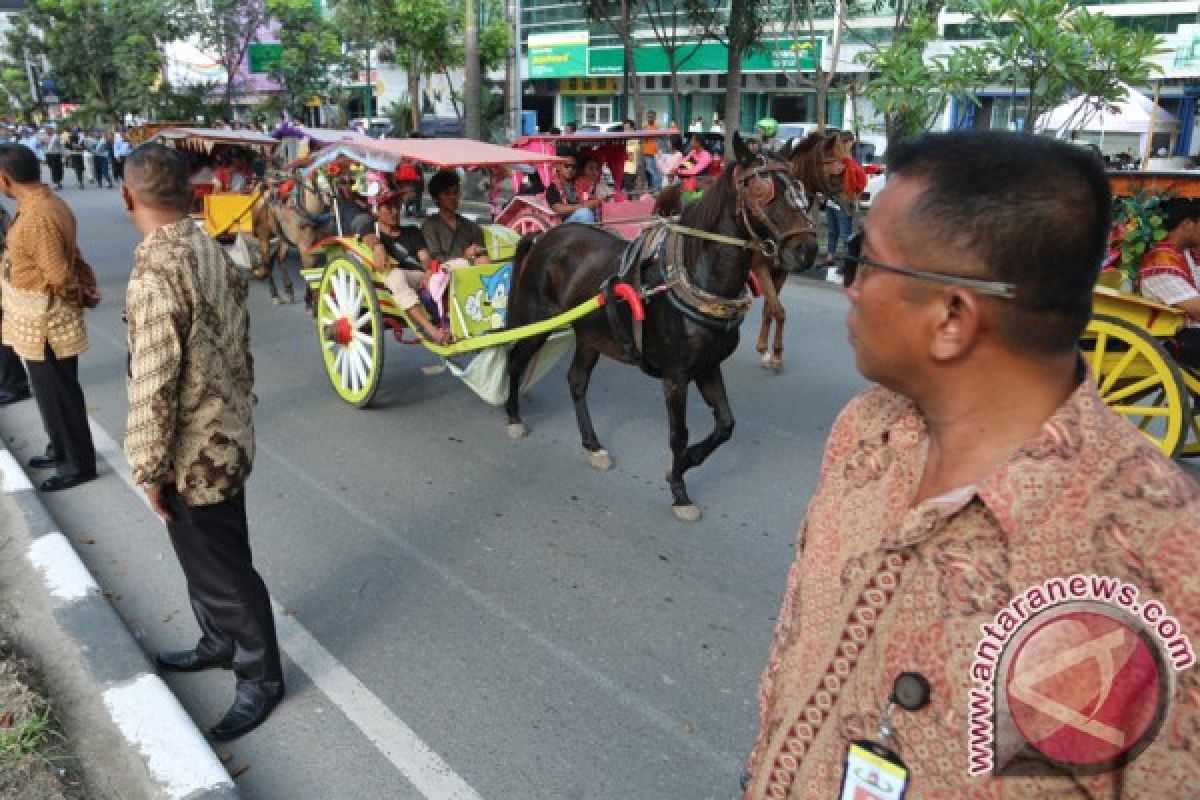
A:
(20, 163)
(1033, 211)
(442, 181)
(158, 175)
(1177, 211)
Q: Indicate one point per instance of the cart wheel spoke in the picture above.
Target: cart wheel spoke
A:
(349, 327)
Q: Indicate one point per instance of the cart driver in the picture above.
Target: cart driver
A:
(1168, 274)
(400, 253)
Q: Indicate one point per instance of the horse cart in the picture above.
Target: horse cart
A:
(231, 214)
(1128, 341)
(528, 211)
(355, 309)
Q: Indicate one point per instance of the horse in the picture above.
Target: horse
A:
(692, 311)
(771, 278)
(300, 221)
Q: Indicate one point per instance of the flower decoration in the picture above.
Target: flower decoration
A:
(1137, 227)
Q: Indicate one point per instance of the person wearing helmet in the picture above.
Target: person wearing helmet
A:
(767, 129)
(413, 183)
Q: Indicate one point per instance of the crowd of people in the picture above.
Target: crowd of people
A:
(96, 157)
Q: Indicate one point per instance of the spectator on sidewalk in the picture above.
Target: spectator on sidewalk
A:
(982, 467)
(650, 154)
(44, 287)
(121, 149)
(101, 147)
(54, 157)
(14, 382)
(189, 339)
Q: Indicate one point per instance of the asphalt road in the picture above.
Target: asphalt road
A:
(547, 630)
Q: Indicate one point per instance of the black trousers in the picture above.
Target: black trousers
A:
(55, 162)
(118, 165)
(228, 596)
(12, 371)
(64, 415)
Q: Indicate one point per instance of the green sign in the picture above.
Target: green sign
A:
(263, 56)
(558, 55)
(783, 55)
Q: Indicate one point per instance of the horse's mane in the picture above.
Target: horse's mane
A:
(705, 213)
(807, 161)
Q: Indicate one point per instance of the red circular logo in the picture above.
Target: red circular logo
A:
(1086, 689)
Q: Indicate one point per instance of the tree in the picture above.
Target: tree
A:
(17, 98)
(619, 17)
(910, 90)
(226, 29)
(106, 54)
(428, 36)
(312, 51)
(680, 26)
(744, 27)
(1051, 49)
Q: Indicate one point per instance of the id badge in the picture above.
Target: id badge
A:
(873, 772)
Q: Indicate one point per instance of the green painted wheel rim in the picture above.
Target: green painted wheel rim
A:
(350, 330)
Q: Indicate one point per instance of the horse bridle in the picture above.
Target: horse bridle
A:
(747, 206)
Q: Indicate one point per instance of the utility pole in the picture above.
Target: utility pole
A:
(471, 84)
(368, 94)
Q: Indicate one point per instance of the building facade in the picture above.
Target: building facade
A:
(572, 67)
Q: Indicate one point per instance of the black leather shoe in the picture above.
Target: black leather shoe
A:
(250, 708)
(60, 482)
(189, 661)
(8, 396)
(47, 460)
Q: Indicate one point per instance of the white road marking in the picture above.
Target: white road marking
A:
(423, 768)
(12, 477)
(150, 716)
(63, 573)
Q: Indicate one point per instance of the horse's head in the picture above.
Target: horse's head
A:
(816, 162)
(772, 207)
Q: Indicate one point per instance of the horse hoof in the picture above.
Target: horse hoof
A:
(766, 361)
(275, 299)
(777, 363)
(689, 513)
(288, 298)
(517, 429)
(761, 347)
(601, 460)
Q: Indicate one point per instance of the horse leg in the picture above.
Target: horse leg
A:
(779, 278)
(764, 332)
(518, 359)
(675, 392)
(712, 388)
(578, 376)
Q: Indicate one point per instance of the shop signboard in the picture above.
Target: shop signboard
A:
(781, 55)
(263, 56)
(558, 55)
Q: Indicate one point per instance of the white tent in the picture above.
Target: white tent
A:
(1130, 115)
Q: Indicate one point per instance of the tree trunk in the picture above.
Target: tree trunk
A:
(733, 97)
(471, 83)
(414, 90)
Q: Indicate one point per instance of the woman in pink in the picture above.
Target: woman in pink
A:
(694, 165)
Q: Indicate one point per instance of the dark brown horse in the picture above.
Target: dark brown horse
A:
(695, 297)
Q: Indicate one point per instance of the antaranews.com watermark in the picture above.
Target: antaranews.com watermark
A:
(1074, 669)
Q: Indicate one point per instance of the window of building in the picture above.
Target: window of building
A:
(594, 110)
(721, 81)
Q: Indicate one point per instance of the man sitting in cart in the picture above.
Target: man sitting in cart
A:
(401, 255)
(1168, 274)
(564, 199)
(449, 234)
(233, 175)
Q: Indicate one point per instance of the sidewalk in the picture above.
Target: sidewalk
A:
(132, 736)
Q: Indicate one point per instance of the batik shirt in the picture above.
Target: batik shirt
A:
(191, 375)
(42, 279)
(880, 587)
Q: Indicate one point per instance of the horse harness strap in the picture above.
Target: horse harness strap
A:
(710, 310)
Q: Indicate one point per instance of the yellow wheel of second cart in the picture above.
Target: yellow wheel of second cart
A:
(350, 329)
(1139, 380)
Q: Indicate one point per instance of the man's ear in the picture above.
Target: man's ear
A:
(956, 326)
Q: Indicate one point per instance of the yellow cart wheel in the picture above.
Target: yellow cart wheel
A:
(1139, 380)
(350, 329)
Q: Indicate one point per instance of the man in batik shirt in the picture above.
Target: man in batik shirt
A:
(1168, 274)
(982, 466)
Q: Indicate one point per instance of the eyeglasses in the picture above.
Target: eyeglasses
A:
(854, 259)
